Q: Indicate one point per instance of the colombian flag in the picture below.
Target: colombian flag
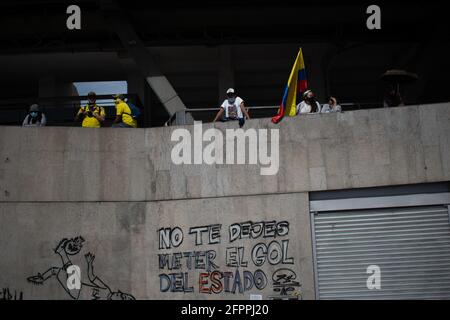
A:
(295, 87)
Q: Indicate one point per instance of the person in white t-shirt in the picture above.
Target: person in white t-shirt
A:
(331, 106)
(309, 104)
(234, 108)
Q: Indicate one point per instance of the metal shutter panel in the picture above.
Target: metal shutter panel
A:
(410, 245)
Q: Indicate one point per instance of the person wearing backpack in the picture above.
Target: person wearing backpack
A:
(92, 114)
(35, 118)
(126, 115)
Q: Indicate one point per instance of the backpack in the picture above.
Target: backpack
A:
(135, 111)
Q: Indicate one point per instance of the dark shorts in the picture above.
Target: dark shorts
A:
(241, 121)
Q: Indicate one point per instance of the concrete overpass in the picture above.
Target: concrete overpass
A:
(387, 170)
(200, 52)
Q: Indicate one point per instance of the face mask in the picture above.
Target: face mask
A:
(34, 114)
(231, 100)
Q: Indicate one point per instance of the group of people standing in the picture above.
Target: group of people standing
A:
(311, 105)
(91, 115)
(233, 107)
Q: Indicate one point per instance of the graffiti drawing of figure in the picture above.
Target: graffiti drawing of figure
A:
(94, 289)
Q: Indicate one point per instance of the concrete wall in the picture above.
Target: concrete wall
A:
(317, 152)
(120, 191)
(125, 241)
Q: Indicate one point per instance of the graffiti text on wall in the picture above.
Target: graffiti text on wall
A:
(244, 266)
(8, 294)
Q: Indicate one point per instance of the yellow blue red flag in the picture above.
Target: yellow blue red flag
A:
(296, 85)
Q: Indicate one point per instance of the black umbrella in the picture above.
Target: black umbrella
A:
(399, 76)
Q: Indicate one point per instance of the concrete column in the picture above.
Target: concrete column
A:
(315, 72)
(326, 63)
(142, 57)
(57, 111)
(47, 87)
(225, 71)
(137, 85)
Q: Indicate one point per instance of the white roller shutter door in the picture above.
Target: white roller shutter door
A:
(411, 246)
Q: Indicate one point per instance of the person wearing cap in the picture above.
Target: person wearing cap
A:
(34, 118)
(124, 118)
(309, 103)
(234, 108)
(92, 114)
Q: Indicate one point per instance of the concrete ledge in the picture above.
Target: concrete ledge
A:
(355, 149)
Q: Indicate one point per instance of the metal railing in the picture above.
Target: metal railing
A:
(186, 116)
(182, 117)
(59, 111)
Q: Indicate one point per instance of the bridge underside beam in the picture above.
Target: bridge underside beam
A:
(143, 59)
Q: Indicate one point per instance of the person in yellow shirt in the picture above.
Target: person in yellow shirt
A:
(92, 114)
(124, 118)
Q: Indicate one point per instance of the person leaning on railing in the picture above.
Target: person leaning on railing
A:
(331, 106)
(92, 114)
(309, 103)
(35, 118)
(234, 108)
(124, 114)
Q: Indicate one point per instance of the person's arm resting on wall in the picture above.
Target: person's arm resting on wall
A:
(319, 107)
(244, 110)
(25, 121)
(43, 120)
(219, 114)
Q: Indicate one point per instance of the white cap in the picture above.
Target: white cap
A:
(231, 90)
